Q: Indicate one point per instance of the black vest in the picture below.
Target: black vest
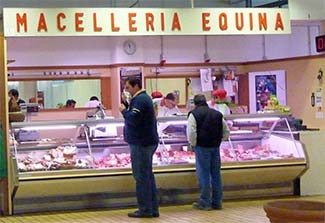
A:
(208, 126)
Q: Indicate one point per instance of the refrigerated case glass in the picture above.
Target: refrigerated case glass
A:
(99, 144)
(261, 139)
(46, 146)
(90, 144)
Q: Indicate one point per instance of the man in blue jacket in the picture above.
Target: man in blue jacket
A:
(140, 132)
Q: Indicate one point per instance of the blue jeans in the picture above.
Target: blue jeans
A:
(208, 166)
(146, 191)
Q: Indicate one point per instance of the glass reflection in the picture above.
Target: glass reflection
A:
(55, 93)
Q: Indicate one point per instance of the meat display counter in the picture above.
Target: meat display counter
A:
(86, 163)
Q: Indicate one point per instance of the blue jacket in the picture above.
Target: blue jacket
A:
(140, 121)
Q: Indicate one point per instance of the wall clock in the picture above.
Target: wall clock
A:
(129, 47)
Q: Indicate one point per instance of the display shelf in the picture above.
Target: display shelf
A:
(259, 146)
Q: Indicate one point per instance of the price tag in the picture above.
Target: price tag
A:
(319, 98)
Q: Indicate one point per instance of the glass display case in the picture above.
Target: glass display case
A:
(55, 155)
(261, 140)
(48, 149)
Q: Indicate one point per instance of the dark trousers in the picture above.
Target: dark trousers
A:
(146, 191)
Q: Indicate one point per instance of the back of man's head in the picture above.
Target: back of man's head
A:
(93, 98)
(199, 100)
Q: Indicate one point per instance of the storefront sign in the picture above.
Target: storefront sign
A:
(144, 21)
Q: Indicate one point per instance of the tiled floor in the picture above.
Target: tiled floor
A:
(233, 212)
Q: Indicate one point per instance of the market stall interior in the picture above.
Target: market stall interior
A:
(86, 163)
(80, 160)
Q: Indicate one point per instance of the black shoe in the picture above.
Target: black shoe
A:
(155, 215)
(201, 207)
(216, 207)
(139, 214)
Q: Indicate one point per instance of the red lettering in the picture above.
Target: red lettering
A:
(176, 24)
(113, 27)
(162, 21)
(320, 45)
(223, 21)
(21, 21)
(79, 22)
(132, 22)
(59, 17)
(96, 27)
(240, 22)
(41, 23)
(149, 21)
(251, 21)
(278, 22)
(205, 21)
(262, 20)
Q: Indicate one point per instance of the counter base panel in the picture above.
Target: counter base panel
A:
(126, 200)
(174, 188)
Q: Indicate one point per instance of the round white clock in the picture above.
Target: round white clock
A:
(129, 47)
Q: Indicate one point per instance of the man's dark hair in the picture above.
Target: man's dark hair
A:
(134, 81)
(14, 92)
(70, 102)
(171, 96)
(199, 100)
(93, 98)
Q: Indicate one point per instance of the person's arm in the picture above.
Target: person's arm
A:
(228, 111)
(13, 105)
(225, 130)
(178, 111)
(191, 130)
(133, 116)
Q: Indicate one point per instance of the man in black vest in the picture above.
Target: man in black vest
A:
(205, 130)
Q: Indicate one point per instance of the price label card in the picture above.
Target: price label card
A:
(319, 97)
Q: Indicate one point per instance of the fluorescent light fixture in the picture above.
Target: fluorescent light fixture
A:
(256, 119)
(110, 125)
(50, 127)
(118, 125)
(241, 132)
(177, 122)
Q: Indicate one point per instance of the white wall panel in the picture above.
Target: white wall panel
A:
(151, 49)
(235, 48)
(59, 51)
(293, 45)
(52, 51)
(307, 9)
(182, 49)
(301, 42)
(314, 31)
